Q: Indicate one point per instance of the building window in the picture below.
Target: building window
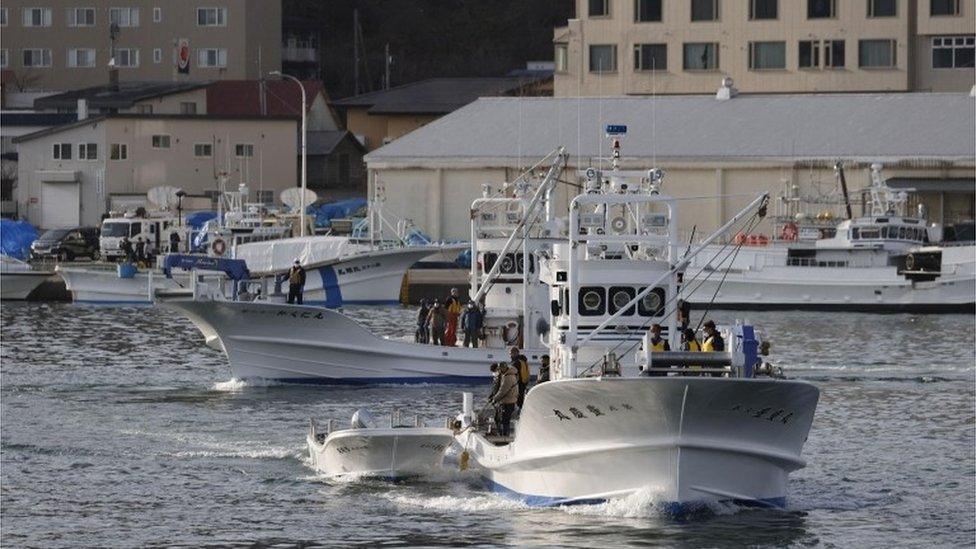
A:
(81, 17)
(37, 57)
(211, 17)
(244, 150)
(212, 58)
(876, 54)
(3, 59)
(647, 11)
(943, 7)
(3, 17)
(704, 10)
(126, 57)
(953, 52)
(599, 8)
(157, 55)
(562, 58)
(603, 58)
(767, 55)
(62, 151)
(120, 151)
(810, 54)
(81, 57)
(124, 17)
(650, 57)
(701, 57)
(160, 141)
(882, 8)
(37, 17)
(763, 9)
(821, 9)
(188, 107)
(87, 151)
(203, 150)
(144, 109)
(157, 15)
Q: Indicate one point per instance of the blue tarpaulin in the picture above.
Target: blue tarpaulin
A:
(464, 259)
(16, 238)
(325, 213)
(234, 268)
(196, 220)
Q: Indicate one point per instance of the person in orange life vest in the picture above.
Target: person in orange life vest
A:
(453, 308)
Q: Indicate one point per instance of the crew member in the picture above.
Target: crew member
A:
(543, 370)
(471, 322)
(140, 250)
(690, 343)
(423, 336)
(437, 320)
(713, 341)
(496, 380)
(453, 307)
(126, 248)
(174, 242)
(296, 283)
(506, 397)
(658, 344)
(520, 365)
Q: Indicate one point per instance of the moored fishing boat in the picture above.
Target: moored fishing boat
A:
(18, 279)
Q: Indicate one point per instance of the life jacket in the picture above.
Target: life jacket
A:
(659, 345)
(708, 345)
(453, 305)
(523, 369)
(694, 347)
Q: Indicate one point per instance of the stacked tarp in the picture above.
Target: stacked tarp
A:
(277, 256)
(16, 238)
(343, 209)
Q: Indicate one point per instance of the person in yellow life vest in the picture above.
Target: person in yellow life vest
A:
(690, 343)
(296, 283)
(658, 344)
(453, 307)
(521, 367)
(713, 341)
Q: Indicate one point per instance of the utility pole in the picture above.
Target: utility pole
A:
(355, 49)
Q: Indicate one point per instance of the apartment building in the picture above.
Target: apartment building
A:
(74, 173)
(644, 47)
(69, 44)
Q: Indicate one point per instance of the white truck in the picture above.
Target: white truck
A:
(155, 231)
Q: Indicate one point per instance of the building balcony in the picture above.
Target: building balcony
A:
(300, 55)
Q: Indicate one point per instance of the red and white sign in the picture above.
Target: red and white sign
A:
(183, 55)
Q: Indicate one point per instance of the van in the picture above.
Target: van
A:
(66, 244)
(154, 231)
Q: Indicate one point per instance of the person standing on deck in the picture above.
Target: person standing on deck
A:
(296, 283)
(453, 306)
(520, 364)
(174, 242)
(543, 370)
(713, 341)
(506, 397)
(471, 322)
(437, 320)
(423, 334)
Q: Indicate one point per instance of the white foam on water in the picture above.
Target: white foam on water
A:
(270, 452)
(459, 504)
(644, 503)
(235, 385)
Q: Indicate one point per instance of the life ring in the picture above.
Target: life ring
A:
(219, 247)
(510, 333)
(910, 262)
(739, 239)
(618, 224)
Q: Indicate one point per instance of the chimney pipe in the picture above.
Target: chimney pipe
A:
(82, 109)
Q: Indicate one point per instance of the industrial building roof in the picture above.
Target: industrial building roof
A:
(243, 97)
(438, 95)
(121, 96)
(872, 126)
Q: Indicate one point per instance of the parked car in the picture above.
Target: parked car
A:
(67, 244)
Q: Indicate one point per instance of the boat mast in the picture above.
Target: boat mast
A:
(839, 169)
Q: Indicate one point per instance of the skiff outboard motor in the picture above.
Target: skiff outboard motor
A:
(362, 419)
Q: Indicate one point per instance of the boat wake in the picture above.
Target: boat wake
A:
(235, 385)
(486, 503)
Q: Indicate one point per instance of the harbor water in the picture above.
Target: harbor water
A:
(121, 428)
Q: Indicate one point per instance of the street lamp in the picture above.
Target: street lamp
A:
(304, 171)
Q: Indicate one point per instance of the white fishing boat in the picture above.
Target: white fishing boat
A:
(18, 279)
(308, 344)
(883, 261)
(366, 449)
(342, 270)
(693, 428)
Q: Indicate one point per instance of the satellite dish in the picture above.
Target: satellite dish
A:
(292, 197)
(164, 197)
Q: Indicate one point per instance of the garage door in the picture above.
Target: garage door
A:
(60, 205)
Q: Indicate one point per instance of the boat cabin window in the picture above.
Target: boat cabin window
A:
(870, 233)
(511, 263)
(652, 304)
(855, 233)
(621, 296)
(592, 301)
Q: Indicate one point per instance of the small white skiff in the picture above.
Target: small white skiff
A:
(367, 450)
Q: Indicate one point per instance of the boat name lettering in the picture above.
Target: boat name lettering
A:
(294, 314)
(577, 413)
(356, 268)
(768, 413)
(435, 447)
(347, 449)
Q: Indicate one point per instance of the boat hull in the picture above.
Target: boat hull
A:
(691, 441)
(19, 285)
(386, 453)
(103, 286)
(307, 344)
